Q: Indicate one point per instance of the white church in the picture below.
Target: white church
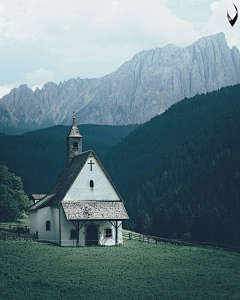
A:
(84, 207)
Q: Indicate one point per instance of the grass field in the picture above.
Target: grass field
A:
(134, 271)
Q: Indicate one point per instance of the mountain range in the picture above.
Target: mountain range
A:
(138, 90)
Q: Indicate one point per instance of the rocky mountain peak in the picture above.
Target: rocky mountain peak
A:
(140, 89)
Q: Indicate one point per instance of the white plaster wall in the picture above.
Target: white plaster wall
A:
(56, 224)
(33, 224)
(52, 214)
(66, 226)
(109, 241)
(102, 190)
(47, 214)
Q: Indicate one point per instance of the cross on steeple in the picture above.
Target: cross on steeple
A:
(91, 163)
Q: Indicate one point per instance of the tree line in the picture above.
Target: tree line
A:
(194, 191)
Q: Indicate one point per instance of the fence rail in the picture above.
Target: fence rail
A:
(22, 232)
(158, 240)
(10, 235)
(16, 228)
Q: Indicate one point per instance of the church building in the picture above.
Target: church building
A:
(84, 207)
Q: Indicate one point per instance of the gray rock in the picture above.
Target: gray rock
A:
(140, 89)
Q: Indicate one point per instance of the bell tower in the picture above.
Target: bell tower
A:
(74, 142)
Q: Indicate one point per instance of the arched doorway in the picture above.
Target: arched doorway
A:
(92, 236)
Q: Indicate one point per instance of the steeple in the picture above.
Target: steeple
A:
(74, 142)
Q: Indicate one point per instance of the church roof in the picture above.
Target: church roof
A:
(41, 202)
(74, 132)
(94, 210)
(38, 196)
(66, 179)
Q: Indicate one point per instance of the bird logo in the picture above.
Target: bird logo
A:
(233, 21)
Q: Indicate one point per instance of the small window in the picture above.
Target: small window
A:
(108, 232)
(91, 184)
(48, 226)
(73, 234)
(75, 145)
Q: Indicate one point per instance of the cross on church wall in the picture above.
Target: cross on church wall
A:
(91, 163)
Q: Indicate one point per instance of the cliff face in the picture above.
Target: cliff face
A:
(140, 89)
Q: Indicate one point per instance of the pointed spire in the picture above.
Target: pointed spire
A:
(74, 132)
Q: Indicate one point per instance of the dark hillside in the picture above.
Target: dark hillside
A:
(138, 154)
(195, 190)
(40, 156)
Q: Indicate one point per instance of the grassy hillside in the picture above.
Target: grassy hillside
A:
(135, 271)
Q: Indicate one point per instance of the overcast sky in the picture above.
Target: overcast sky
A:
(55, 40)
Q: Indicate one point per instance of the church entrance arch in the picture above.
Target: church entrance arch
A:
(92, 235)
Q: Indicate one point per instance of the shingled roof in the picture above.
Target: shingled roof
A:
(37, 196)
(94, 210)
(41, 203)
(66, 179)
(74, 132)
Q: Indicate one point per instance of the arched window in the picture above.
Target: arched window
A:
(91, 184)
(75, 145)
(48, 225)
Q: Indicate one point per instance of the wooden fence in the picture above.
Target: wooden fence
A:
(160, 241)
(14, 228)
(8, 235)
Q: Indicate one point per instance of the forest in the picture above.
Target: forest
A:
(39, 157)
(179, 173)
(194, 192)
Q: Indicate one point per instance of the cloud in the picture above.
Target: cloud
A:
(92, 38)
(5, 89)
(38, 78)
(218, 22)
(34, 80)
(95, 25)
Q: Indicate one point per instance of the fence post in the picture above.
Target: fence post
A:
(156, 241)
(129, 235)
(148, 240)
(206, 243)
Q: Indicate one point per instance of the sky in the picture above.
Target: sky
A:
(55, 40)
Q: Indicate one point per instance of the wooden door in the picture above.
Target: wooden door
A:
(92, 235)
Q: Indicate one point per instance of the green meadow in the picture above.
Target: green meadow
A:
(136, 270)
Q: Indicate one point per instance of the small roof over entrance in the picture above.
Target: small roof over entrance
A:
(94, 210)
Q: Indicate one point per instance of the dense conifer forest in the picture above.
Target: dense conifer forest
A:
(140, 152)
(194, 192)
(39, 157)
(190, 155)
